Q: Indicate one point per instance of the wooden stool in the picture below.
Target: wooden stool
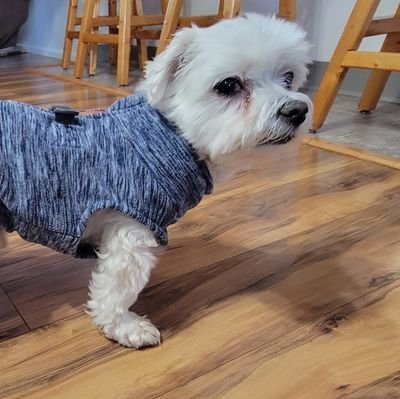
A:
(173, 20)
(360, 24)
(70, 34)
(130, 25)
(227, 9)
(131, 22)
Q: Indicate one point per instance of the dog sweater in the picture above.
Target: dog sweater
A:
(54, 176)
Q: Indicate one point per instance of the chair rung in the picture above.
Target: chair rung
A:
(372, 60)
(147, 20)
(136, 20)
(146, 34)
(379, 26)
(73, 35)
(104, 21)
(100, 38)
(199, 20)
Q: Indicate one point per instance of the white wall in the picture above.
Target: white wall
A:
(327, 21)
(324, 21)
(43, 33)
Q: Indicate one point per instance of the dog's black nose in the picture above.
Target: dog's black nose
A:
(294, 112)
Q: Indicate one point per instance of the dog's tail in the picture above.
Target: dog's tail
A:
(3, 239)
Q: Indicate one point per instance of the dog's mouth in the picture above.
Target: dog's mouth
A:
(283, 139)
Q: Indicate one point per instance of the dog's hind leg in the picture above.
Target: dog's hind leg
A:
(127, 255)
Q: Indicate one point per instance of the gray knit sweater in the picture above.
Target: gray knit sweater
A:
(53, 176)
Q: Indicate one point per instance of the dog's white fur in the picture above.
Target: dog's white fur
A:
(180, 84)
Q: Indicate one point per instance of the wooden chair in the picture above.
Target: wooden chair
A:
(360, 24)
(173, 20)
(227, 9)
(123, 28)
(132, 22)
(131, 26)
(71, 33)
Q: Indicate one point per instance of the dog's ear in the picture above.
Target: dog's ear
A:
(160, 72)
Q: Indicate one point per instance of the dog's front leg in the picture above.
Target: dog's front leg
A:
(125, 261)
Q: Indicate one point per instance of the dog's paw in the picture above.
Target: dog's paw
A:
(134, 332)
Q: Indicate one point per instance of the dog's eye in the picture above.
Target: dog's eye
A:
(229, 86)
(288, 79)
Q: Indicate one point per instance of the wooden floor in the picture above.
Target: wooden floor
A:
(283, 284)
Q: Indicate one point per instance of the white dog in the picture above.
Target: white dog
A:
(228, 88)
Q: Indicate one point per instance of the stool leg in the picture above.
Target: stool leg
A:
(353, 33)
(72, 13)
(378, 78)
(141, 44)
(231, 8)
(287, 9)
(82, 44)
(221, 8)
(112, 12)
(171, 20)
(124, 42)
(93, 46)
(164, 5)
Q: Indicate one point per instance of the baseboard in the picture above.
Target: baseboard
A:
(353, 85)
(55, 53)
(359, 153)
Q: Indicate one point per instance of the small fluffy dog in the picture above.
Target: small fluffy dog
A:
(216, 91)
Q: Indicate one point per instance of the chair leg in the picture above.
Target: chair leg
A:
(142, 52)
(82, 44)
(164, 5)
(221, 8)
(231, 8)
(171, 20)
(72, 13)
(124, 42)
(287, 9)
(93, 46)
(352, 36)
(141, 44)
(378, 78)
(112, 12)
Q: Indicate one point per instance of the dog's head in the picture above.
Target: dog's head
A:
(232, 85)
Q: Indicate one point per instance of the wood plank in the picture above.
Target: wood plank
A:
(231, 8)
(259, 308)
(11, 323)
(384, 387)
(372, 60)
(353, 152)
(288, 9)
(116, 91)
(283, 284)
(100, 38)
(199, 20)
(327, 366)
(21, 60)
(383, 25)
(41, 274)
(43, 285)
